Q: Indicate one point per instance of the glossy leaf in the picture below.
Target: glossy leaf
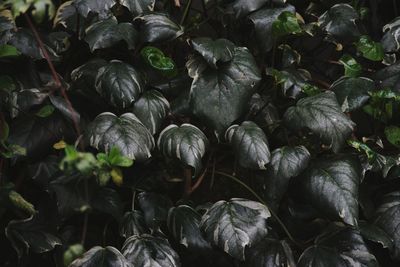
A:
(235, 224)
(392, 134)
(351, 67)
(214, 51)
(292, 81)
(133, 224)
(389, 77)
(158, 27)
(100, 7)
(126, 133)
(370, 49)
(137, 7)
(242, 8)
(101, 257)
(286, 23)
(250, 145)
(157, 60)
(8, 51)
(391, 39)
(155, 208)
(322, 115)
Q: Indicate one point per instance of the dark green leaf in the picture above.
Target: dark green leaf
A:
(264, 113)
(101, 7)
(67, 110)
(290, 57)
(147, 250)
(101, 257)
(137, 7)
(292, 81)
(351, 67)
(8, 51)
(133, 224)
(157, 60)
(158, 27)
(332, 187)
(126, 133)
(374, 233)
(220, 96)
(322, 115)
(155, 208)
(389, 77)
(242, 8)
(370, 49)
(232, 225)
(220, 50)
(338, 247)
(106, 33)
(183, 223)
(250, 145)
(119, 83)
(391, 39)
(45, 111)
(85, 76)
(186, 143)
(352, 93)
(392, 134)
(72, 253)
(286, 23)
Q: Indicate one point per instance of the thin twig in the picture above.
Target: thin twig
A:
(185, 12)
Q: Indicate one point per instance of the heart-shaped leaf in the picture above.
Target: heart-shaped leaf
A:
(155, 58)
(292, 81)
(220, 96)
(126, 133)
(322, 115)
(338, 247)
(101, 257)
(232, 225)
(351, 67)
(147, 250)
(250, 145)
(183, 223)
(285, 24)
(186, 143)
(332, 186)
(220, 50)
(352, 93)
(137, 7)
(370, 49)
(391, 39)
(158, 27)
(106, 33)
(151, 109)
(119, 83)
(133, 224)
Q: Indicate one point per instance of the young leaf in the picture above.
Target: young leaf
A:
(186, 143)
(250, 145)
(232, 225)
(370, 49)
(351, 67)
(286, 23)
(218, 51)
(101, 257)
(100, 7)
(157, 60)
(45, 111)
(133, 224)
(392, 134)
(322, 115)
(8, 51)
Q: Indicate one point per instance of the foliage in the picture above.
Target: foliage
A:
(199, 133)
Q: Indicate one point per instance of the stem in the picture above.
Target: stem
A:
(187, 175)
(84, 230)
(186, 12)
(133, 198)
(263, 202)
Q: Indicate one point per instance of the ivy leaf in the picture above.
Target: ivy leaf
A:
(157, 60)
(322, 115)
(352, 93)
(183, 223)
(232, 225)
(387, 217)
(351, 67)
(392, 134)
(332, 187)
(120, 83)
(220, 96)
(100, 7)
(101, 257)
(158, 27)
(391, 39)
(147, 250)
(214, 51)
(186, 143)
(292, 81)
(106, 33)
(126, 133)
(137, 7)
(155, 208)
(286, 23)
(133, 224)
(286, 162)
(151, 109)
(263, 21)
(250, 145)
(338, 247)
(270, 252)
(370, 49)
(340, 21)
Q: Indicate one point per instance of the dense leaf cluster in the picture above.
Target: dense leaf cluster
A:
(199, 133)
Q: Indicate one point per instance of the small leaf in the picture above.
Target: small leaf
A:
(117, 176)
(370, 49)
(157, 60)
(232, 225)
(250, 145)
(220, 50)
(392, 134)
(8, 51)
(101, 257)
(186, 143)
(133, 224)
(147, 250)
(286, 23)
(322, 115)
(73, 252)
(45, 111)
(351, 67)
(137, 7)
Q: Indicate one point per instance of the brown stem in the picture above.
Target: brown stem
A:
(199, 181)
(187, 175)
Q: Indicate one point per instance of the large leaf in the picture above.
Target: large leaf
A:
(292, 81)
(250, 145)
(107, 33)
(340, 21)
(151, 109)
(286, 162)
(342, 247)
(133, 224)
(137, 7)
(126, 133)
(352, 93)
(270, 253)
(242, 8)
(220, 50)
(158, 27)
(220, 96)
(101, 257)
(155, 208)
(183, 223)
(322, 115)
(389, 76)
(186, 143)
(263, 20)
(100, 7)
(388, 219)
(332, 186)
(119, 83)
(147, 250)
(391, 39)
(232, 225)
